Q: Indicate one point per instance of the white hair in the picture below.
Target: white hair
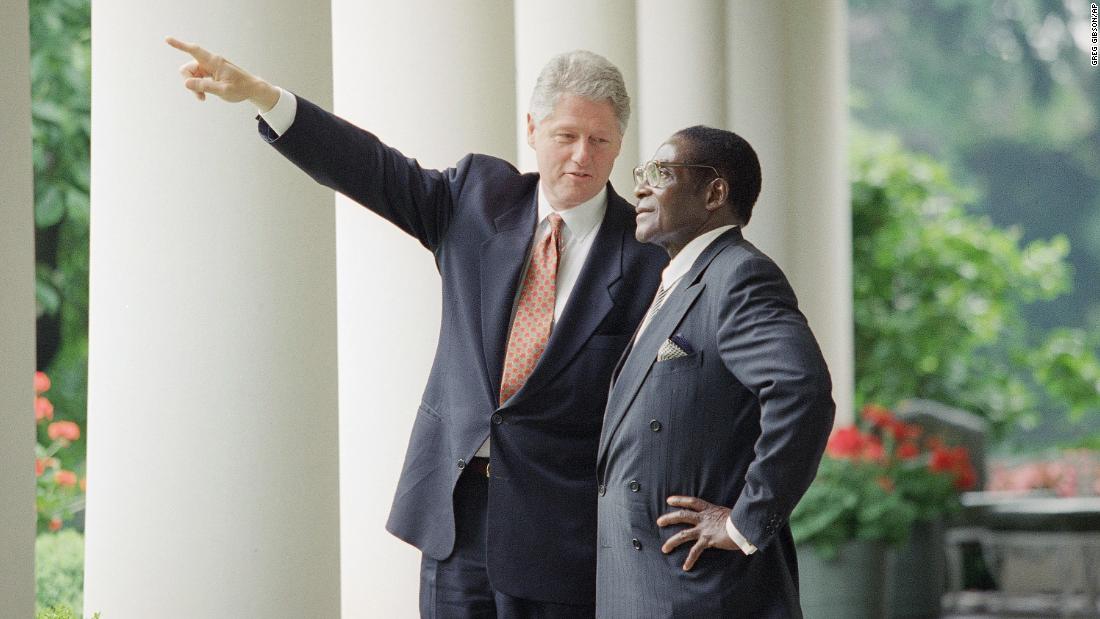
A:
(584, 74)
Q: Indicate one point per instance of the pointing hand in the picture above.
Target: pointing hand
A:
(210, 73)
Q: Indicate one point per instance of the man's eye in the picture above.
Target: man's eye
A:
(564, 137)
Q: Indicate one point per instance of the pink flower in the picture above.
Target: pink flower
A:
(41, 464)
(65, 479)
(55, 523)
(41, 382)
(64, 430)
(43, 409)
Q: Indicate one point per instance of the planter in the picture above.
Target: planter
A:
(918, 573)
(851, 586)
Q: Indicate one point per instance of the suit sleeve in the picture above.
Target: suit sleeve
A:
(356, 163)
(765, 342)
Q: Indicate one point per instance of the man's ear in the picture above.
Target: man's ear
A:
(717, 192)
(530, 130)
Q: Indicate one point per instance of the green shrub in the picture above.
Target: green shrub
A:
(938, 298)
(59, 612)
(59, 573)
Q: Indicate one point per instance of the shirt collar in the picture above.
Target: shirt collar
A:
(579, 220)
(681, 264)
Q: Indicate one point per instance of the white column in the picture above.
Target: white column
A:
(545, 28)
(788, 85)
(17, 517)
(681, 69)
(212, 454)
(451, 93)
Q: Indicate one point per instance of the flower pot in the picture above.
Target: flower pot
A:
(850, 586)
(918, 573)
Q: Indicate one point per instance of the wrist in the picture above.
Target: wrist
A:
(263, 95)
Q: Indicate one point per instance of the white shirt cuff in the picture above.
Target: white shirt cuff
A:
(742, 543)
(281, 116)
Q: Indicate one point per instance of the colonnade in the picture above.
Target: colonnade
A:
(221, 277)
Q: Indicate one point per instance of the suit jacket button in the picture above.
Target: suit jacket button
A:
(602, 489)
(655, 425)
(636, 544)
(461, 463)
(634, 485)
(497, 418)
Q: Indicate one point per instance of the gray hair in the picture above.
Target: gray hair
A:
(584, 74)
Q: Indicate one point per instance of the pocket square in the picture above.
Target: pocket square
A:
(674, 347)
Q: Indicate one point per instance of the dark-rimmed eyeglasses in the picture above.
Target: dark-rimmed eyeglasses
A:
(657, 174)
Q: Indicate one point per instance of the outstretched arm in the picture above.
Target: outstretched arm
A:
(210, 73)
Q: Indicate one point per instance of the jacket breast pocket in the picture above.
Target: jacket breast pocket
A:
(679, 364)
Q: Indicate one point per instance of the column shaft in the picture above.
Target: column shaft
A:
(212, 454)
(787, 96)
(452, 93)
(681, 69)
(16, 318)
(545, 28)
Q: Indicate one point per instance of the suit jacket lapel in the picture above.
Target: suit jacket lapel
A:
(590, 300)
(503, 257)
(642, 353)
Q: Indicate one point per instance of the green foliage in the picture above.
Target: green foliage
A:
(60, 92)
(59, 571)
(848, 500)
(938, 296)
(59, 612)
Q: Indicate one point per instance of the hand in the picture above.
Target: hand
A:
(211, 73)
(709, 530)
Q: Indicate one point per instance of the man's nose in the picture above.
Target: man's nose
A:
(641, 189)
(582, 152)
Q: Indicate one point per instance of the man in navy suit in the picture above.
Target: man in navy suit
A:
(540, 274)
(718, 415)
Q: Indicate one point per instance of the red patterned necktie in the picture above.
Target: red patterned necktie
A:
(534, 312)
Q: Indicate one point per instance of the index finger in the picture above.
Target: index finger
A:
(197, 52)
(689, 502)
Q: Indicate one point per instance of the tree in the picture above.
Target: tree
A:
(939, 294)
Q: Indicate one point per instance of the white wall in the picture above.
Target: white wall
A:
(17, 434)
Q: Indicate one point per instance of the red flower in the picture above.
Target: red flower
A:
(879, 416)
(905, 431)
(885, 483)
(43, 409)
(55, 523)
(41, 382)
(873, 450)
(908, 450)
(63, 429)
(845, 443)
(954, 460)
(65, 479)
